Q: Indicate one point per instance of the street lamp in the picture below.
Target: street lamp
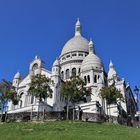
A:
(136, 90)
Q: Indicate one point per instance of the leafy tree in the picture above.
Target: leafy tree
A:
(8, 92)
(111, 94)
(40, 88)
(74, 90)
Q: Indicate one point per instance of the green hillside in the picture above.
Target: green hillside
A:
(61, 130)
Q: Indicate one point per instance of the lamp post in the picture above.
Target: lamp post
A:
(136, 90)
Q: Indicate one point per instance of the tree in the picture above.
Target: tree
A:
(111, 94)
(73, 91)
(40, 87)
(8, 92)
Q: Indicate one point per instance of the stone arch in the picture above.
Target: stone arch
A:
(73, 71)
(35, 66)
(79, 70)
(67, 74)
(85, 79)
(95, 78)
(62, 75)
(88, 78)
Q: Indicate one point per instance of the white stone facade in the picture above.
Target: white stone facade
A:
(78, 57)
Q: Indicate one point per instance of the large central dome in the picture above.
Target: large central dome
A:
(76, 44)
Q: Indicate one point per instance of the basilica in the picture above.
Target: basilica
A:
(78, 57)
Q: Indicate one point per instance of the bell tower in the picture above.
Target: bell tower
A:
(35, 66)
(56, 85)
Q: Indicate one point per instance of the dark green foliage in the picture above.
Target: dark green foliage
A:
(74, 90)
(40, 87)
(111, 94)
(8, 91)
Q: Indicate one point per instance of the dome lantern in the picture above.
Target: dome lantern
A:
(78, 28)
(91, 47)
(111, 64)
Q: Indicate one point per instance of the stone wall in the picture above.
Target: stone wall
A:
(26, 116)
(93, 117)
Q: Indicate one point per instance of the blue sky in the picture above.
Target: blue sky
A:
(41, 27)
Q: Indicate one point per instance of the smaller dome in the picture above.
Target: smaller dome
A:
(17, 75)
(56, 63)
(91, 62)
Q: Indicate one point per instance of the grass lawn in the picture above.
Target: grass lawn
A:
(63, 130)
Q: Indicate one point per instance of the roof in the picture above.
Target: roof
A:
(77, 43)
(92, 61)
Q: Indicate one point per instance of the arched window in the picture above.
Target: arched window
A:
(67, 74)
(35, 66)
(62, 75)
(74, 72)
(95, 78)
(79, 70)
(88, 78)
(85, 79)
